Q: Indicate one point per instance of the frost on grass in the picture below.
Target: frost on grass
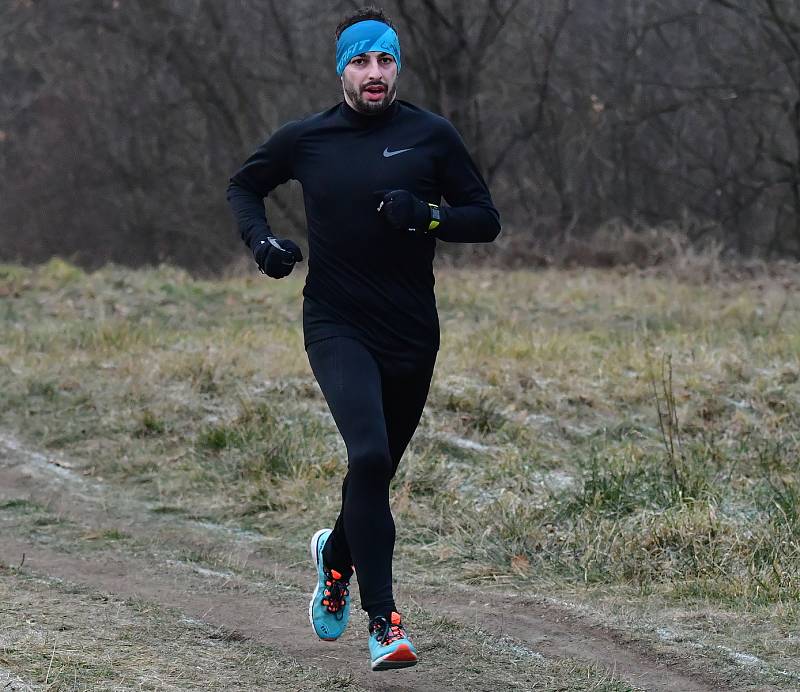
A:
(13, 683)
(542, 458)
(101, 642)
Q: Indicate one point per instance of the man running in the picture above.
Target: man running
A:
(373, 171)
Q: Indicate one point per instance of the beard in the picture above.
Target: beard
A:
(370, 107)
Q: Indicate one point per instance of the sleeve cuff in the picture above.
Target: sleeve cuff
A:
(435, 217)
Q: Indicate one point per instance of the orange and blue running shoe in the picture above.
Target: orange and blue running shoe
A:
(329, 609)
(389, 645)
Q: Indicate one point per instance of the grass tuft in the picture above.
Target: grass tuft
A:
(150, 425)
(20, 504)
(478, 414)
(626, 431)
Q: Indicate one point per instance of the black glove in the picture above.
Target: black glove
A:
(403, 211)
(276, 258)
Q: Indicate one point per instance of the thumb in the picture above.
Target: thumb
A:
(381, 196)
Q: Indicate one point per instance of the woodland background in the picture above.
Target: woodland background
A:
(592, 121)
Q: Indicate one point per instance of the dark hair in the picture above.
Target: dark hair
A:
(369, 12)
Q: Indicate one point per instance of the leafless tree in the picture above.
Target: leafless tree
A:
(120, 120)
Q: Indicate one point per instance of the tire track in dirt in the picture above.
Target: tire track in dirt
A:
(557, 633)
(240, 606)
(279, 623)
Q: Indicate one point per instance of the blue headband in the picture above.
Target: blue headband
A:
(364, 37)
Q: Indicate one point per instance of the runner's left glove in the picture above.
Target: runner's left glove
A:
(276, 258)
(403, 211)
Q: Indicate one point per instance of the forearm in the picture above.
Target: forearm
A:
(248, 209)
(468, 224)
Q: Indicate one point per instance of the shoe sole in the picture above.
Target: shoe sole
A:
(401, 657)
(314, 552)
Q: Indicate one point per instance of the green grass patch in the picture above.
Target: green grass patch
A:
(584, 428)
(150, 425)
(20, 505)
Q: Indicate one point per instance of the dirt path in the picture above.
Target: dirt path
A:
(277, 620)
(267, 602)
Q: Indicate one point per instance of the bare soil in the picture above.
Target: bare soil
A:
(251, 595)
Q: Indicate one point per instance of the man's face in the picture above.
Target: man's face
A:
(369, 81)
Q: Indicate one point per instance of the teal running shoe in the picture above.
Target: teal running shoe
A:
(389, 645)
(329, 609)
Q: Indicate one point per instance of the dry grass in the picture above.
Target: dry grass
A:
(77, 639)
(540, 460)
(60, 636)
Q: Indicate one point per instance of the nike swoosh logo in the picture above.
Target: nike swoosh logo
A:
(387, 153)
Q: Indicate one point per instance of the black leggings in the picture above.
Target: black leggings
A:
(376, 410)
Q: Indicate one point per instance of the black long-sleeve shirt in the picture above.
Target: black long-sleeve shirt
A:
(366, 280)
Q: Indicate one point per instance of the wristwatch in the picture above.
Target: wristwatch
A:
(435, 216)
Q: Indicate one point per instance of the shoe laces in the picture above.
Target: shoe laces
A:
(387, 631)
(335, 593)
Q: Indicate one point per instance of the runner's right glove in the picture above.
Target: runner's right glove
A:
(276, 258)
(404, 211)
